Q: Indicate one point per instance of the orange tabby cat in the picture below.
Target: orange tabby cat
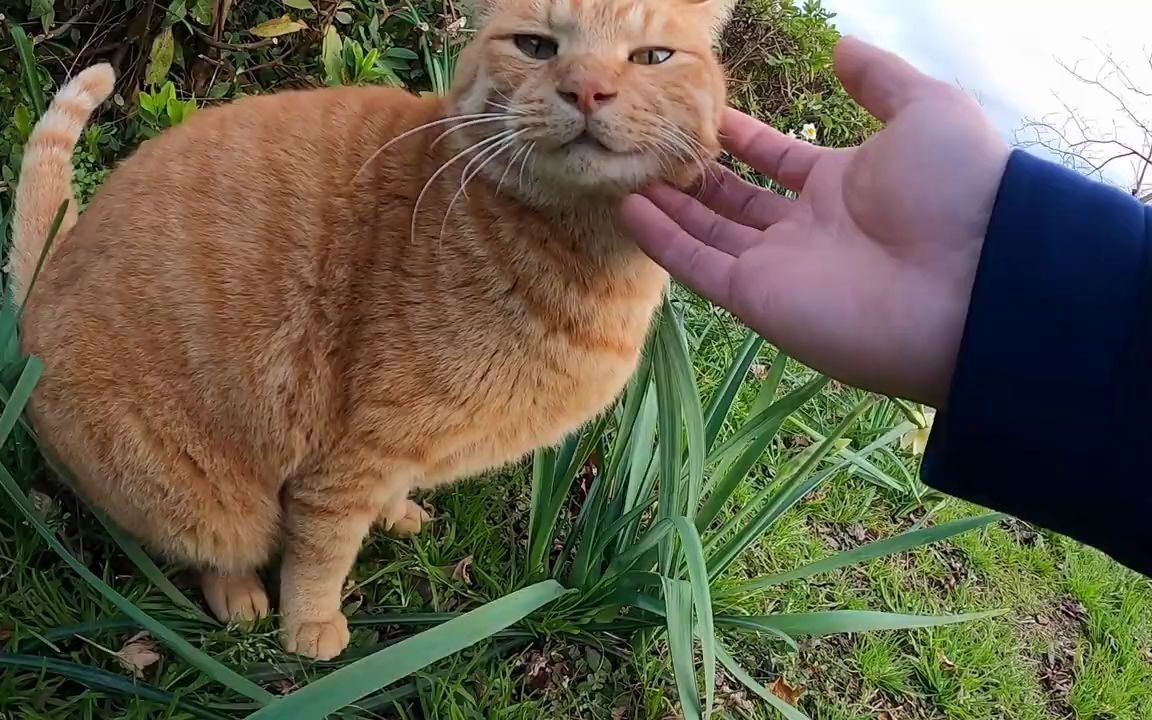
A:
(277, 319)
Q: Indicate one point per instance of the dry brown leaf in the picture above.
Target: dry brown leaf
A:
(946, 661)
(43, 504)
(138, 653)
(618, 713)
(462, 571)
(5, 633)
(786, 691)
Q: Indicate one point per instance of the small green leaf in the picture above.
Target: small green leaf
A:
(160, 58)
(299, 5)
(203, 12)
(402, 53)
(332, 56)
(22, 121)
(283, 25)
(42, 8)
(177, 9)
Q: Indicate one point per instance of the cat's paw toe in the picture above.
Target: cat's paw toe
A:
(235, 598)
(406, 520)
(319, 640)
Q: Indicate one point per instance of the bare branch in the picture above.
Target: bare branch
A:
(1083, 145)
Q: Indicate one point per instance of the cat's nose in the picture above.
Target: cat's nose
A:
(586, 94)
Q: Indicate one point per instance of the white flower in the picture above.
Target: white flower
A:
(916, 440)
(809, 132)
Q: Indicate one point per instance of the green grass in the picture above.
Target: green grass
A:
(1076, 640)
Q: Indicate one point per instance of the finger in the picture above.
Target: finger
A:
(879, 80)
(701, 223)
(704, 269)
(786, 160)
(736, 199)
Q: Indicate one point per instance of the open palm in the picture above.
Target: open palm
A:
(867, 273)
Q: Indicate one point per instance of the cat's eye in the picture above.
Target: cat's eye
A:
(537, 47)
(651, 56)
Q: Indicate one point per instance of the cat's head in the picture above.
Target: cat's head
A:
(591, 95)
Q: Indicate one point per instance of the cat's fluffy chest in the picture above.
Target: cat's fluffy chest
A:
(555, 376)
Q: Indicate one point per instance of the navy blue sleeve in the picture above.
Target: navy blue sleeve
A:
(1049, 416)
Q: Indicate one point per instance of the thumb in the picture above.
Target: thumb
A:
(879, 80)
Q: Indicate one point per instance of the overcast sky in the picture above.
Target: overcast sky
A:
(1006, 51)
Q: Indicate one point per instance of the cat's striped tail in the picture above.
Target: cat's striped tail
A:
(46, 171)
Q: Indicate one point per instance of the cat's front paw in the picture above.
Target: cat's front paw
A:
(235, 598)
(316, 639)
(404, 519)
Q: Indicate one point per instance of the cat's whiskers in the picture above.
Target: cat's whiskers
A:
(659, 150)
(702, 152)
(484, 157)
(524, 164)
(488, 117)
(688, 146)
(510, 164)
(461, 126)
(478, 145)
(505, 107)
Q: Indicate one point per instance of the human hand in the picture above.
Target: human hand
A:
(868, 273)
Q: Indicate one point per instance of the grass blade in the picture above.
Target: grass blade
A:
(148, 567)
(214, 669)
(684, 383)
(678, 609)
(10, 320)
(705, 627)
(835, 622)
(98, 679)
(18, 398)
(721, 403)
(327, 695)
(28, 69)
(768, 424)
(781, 496)
(738, 621)
(865, 553)
(788, 711)
(754, 427)
(543, 479)
(671, 456)
(197, 658)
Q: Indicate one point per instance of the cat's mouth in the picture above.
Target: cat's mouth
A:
(586, 140)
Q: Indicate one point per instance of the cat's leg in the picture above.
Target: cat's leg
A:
(403, 517)
(326, 518)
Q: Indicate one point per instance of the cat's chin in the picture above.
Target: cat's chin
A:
(585, 169)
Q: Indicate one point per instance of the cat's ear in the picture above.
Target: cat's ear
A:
(721, 11)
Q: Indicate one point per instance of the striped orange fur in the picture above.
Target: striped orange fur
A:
(276, 320)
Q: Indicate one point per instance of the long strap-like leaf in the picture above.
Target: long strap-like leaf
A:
(327, 695)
